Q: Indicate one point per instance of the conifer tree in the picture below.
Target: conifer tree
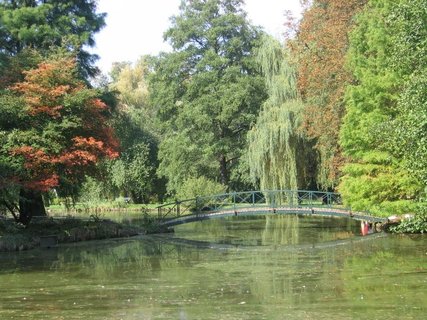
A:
(373, 178)
(43, 25)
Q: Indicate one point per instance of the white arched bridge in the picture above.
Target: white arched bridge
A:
(299, 202)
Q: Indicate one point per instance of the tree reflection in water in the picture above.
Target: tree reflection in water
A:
(272, 267)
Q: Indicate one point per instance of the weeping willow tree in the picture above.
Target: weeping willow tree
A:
(278, 155)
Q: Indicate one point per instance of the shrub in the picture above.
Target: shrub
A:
(199, 187)
(417, 224)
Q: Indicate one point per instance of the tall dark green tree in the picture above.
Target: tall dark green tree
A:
(41, 25)
(208, 91)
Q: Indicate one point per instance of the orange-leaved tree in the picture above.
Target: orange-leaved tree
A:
(320, 47)
(62, 134)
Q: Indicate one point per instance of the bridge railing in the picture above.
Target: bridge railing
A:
(177, 209)
(260, 199)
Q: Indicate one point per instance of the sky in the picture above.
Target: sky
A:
(135, 27)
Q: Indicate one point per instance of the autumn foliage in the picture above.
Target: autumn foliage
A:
(66, 132)
(321, 46)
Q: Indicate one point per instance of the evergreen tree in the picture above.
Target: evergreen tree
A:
(373, 178)
(405, 135)
(42, 25)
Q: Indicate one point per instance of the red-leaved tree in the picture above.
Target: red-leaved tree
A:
(321, 46)
(64, 132)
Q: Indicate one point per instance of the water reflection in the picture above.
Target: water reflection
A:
(255, 268)
(269, 230)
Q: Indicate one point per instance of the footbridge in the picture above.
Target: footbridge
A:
(296, 202)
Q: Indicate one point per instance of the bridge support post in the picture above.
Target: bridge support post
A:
(273, 199)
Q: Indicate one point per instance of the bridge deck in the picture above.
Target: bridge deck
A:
(362, 216)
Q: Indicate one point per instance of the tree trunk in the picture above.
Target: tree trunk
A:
(137, 198)
(223, 170)
(30, 205)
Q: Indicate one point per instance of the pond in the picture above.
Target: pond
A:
(260, 267)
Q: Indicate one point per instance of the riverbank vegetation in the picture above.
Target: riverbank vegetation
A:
(340, 105)
(48, 232)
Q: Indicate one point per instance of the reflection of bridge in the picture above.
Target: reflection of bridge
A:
(298, 202)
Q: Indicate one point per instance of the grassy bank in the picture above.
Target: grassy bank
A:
(82, 209)
(15, 237)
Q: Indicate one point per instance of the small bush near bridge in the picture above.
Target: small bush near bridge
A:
(417, 224)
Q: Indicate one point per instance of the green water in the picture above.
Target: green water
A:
(280, 267)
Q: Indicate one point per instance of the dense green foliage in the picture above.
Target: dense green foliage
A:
(208, 92)
(416, 224)
(405, 135)
(133, 174)
(201, 186)
(373, 178)
(42, 25)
